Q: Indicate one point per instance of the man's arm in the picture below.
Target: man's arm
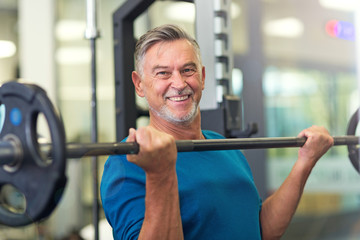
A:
(280, 207)
(157, 157)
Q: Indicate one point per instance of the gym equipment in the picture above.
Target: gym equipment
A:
(41, 181)
(92, 33)
(354, 152)
(37, 170)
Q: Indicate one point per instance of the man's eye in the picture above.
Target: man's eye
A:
(162, 73)
(188, 71)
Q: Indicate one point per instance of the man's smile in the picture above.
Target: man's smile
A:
(179, 98)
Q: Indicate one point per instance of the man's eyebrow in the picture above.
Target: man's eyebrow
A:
(190, 64)
(162, 67)
(157, 67)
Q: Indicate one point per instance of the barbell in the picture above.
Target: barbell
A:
(37, 170)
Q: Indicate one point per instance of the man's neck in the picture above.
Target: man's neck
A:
(189, 131)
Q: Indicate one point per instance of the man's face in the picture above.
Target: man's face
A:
(172, 81)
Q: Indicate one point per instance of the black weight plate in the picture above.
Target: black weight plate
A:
(40, 183)
(354, 153)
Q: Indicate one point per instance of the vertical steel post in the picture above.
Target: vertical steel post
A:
(213, 33)
(92, 34)
(124, 48)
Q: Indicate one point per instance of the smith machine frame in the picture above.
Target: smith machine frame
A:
(213, 31)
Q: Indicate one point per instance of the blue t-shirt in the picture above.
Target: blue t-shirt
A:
(218, 197)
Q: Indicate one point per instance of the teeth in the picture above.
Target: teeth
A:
(177, 99)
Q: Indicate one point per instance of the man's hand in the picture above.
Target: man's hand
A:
(317, 144)
(157, 153)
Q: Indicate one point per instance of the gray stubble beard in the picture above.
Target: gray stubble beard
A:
(166, 114)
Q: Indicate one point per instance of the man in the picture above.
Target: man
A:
(162, 194)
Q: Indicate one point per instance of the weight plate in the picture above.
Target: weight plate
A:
(354, 153)
(40, 182)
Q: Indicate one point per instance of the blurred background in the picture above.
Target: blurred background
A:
(302, 57)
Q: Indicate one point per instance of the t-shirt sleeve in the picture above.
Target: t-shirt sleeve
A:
(123, 197)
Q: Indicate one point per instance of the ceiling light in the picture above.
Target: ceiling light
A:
(185, 12)
(343, 5)
(73, 55)
(235, 10)
(7, 49)
(286, 27)
(70, 30)
(181, 11)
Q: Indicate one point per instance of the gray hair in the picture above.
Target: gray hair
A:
(164, 33)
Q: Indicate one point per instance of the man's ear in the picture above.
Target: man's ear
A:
(137, 83)
(203, 77)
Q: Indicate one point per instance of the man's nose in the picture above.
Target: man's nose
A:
(178, 81)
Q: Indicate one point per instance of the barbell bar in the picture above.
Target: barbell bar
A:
(78, 150)
(24, 165)
(10, 152)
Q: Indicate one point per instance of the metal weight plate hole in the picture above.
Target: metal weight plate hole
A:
(12, 199)
(44, 142)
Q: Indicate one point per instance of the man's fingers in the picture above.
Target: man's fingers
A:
(132, 135)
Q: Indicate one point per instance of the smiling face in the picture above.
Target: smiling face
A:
(172, 81)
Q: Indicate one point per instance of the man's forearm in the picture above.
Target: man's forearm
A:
(162, 209)
(280, 207)
(278, 210)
